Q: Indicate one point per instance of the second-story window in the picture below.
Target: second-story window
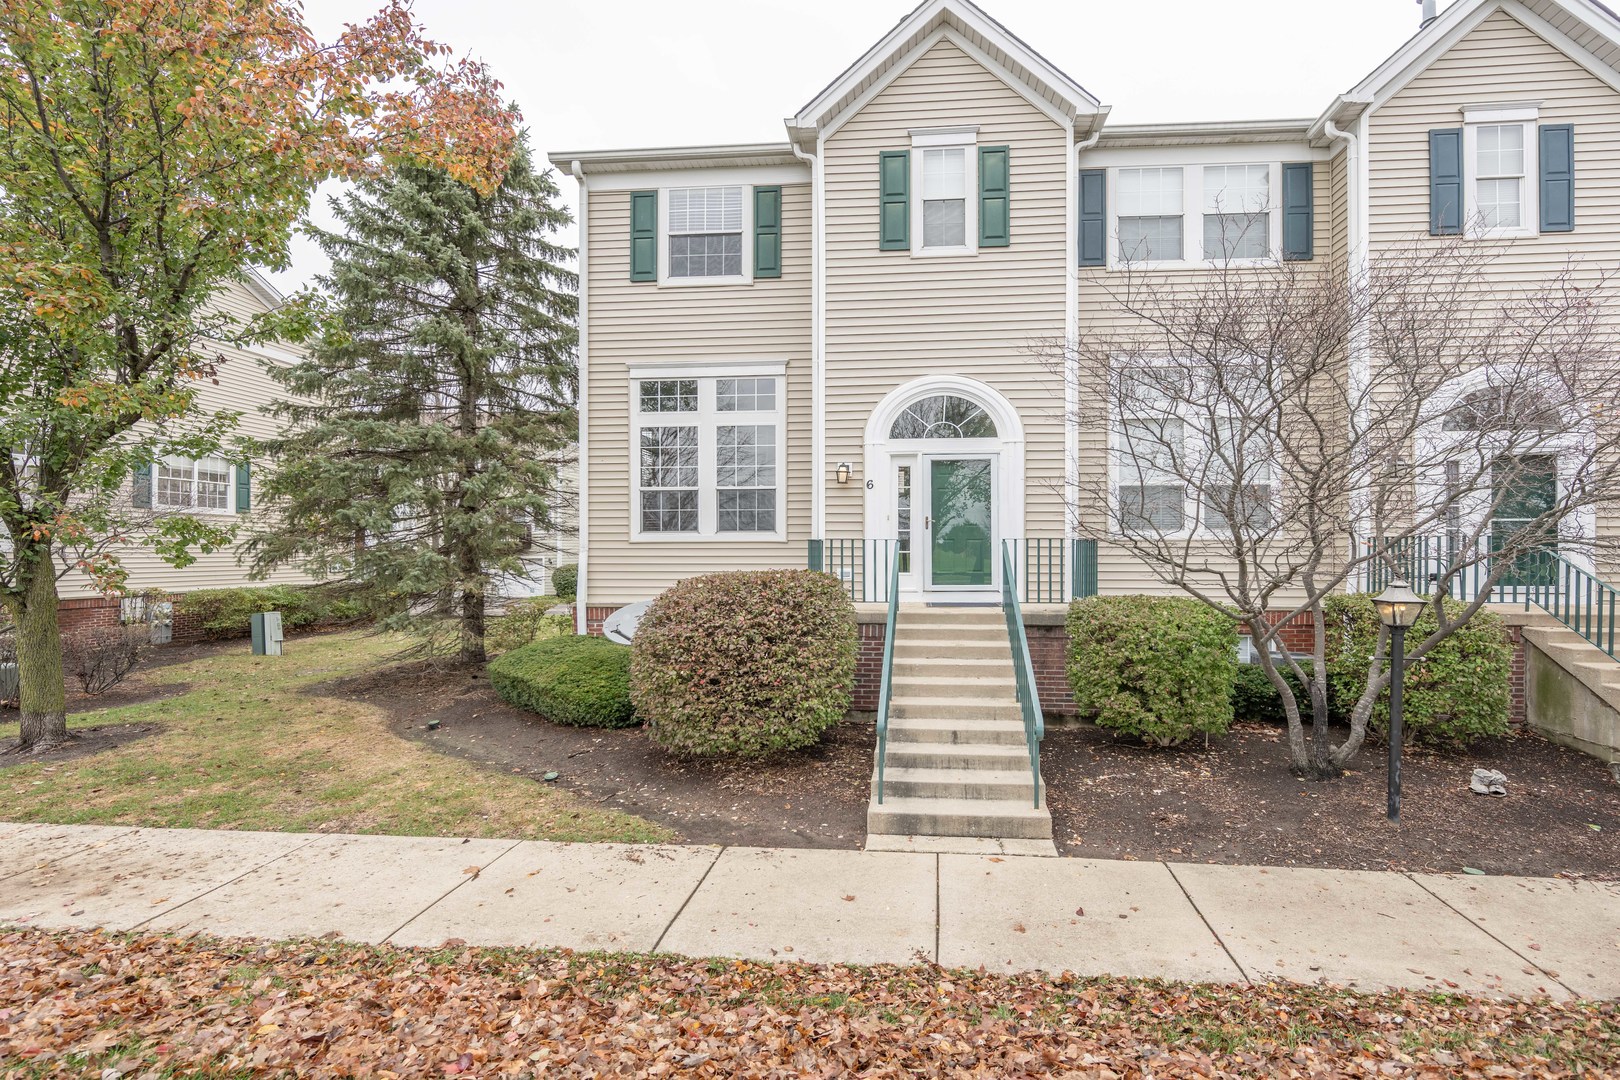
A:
(187, 484)
(1237, 211)
(706, 232)
(944, 184)
(1499, 172)
(1152, 211)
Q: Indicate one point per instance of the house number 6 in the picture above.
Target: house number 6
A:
(870, 485)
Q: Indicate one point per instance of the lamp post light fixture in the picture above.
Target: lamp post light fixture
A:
(1398, 608)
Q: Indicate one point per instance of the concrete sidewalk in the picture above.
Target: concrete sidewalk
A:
(1514, 936)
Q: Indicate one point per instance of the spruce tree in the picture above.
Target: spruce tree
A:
(428, 424)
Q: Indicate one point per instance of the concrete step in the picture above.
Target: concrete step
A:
(957, 687)
(958, 784)
(905, 649)
(958, 817)
(931, 666)
(985, 757)
(948, 633)
(950, 616)
(980, 732)
(949, 708)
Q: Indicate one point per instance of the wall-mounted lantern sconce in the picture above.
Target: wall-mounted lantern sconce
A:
(842, 472)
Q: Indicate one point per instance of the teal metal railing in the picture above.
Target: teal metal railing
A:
(1029, 699)
(1542, 578)
(884, 686)
(1051, 570)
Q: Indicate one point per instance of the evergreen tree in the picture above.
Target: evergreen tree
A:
(428, 425)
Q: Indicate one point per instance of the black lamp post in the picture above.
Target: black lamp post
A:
(1398, 608)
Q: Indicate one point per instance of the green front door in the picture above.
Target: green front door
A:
(1524, 489)
(959, 532)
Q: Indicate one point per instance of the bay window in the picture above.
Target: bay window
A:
(709, 456)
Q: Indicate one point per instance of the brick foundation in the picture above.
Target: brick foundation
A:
(86, 613)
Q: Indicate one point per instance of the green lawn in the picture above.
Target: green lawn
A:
(248, 746)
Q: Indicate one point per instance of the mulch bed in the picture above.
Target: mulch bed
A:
(1236, 802)
(82, 1003)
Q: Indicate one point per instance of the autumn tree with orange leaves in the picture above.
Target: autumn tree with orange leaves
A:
(150, 152)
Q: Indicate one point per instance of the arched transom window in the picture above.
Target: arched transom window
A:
(1497, 409)
(943, 416)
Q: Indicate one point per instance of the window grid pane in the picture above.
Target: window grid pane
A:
(705, 210)
(1237, 236)
(174, 482)
(945, 223)
(944, 174)
(1499, 150)
(669, 479)
(1150, 239)
(1237, 189)
(1150, 193)
(745, 478)
(213, 485)
(668, 395)
(745, 395)
(1500, 203)
(706, 255)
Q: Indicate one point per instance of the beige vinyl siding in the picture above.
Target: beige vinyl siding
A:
(1338, 205)
(643, 323)
(1118, 571)
(1502, 60)
(892, 317)
(244, 386)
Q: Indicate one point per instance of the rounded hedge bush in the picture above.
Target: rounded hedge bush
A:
(745, 664)
(1256, 700)
(581, 681)
(1461, 691)
(1157, 667)
(565, 582)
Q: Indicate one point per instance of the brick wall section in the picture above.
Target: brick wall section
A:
(86, 613)
(596, 616)
(1516, 710)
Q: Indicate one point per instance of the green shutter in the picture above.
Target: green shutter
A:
(244, 488)
(995, 202)
(1299, 211)
(644, 236)
(1093, 217)
(1558, 178)
(767, 232)
(140, 488)
(894, 200)
(1445, 182)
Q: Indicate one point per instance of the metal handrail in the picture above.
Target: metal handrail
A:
(885, 685)
(1052, 570)
(1573, 595)
(1029, 698)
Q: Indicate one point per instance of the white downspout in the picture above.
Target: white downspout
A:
(584, 528)
(818, 358)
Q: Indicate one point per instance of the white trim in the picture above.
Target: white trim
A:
(1071, 333)
(1236, 153)
(746, 200)
(582, 558)
(1501, 114)
(706, 419)
(960, 135)
(818, 348)
(718, 176)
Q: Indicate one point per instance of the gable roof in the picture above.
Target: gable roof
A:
(1022, 65)
(1585, 29)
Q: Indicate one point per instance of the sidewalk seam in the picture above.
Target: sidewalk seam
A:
(436, 901)
(1207, 925)
(939, 914)
(1528, 960)
(230, 881)
(675, 918)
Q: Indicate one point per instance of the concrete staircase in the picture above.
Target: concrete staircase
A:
(1583, 713)
(958, 762)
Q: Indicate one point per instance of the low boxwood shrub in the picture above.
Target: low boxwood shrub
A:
(565, 582)
(224, 613)
(1460, 692)
(525, 621)
(746, 663)
(581, 681)
(1254, 698)
(1157, 667)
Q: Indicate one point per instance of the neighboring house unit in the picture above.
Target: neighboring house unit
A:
(829, 339)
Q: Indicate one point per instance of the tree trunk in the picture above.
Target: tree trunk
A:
(472, 623)
(39, 660)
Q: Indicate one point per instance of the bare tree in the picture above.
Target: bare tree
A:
(1280, 432)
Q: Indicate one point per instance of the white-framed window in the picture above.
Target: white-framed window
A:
(709, 450)
(1182, 467)
(1499, 151)
(705, 229)
(1193, 215)
(1152, 215)
(945, 186)
(192, 484)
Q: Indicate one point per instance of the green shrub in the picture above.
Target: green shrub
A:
(581, 681)
(525, 621)
(1461, 691)
(223, 613)
(565, 582)
(1256, 700)
(1160, 668)
(746, 663)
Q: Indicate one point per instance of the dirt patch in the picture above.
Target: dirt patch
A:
(814, 799)
(82, 742)
(1237, 803)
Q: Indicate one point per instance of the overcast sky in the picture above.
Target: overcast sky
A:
(608, 74)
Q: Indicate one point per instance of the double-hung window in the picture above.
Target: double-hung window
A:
(1499, 156)
(192, 484)
(944, 197)
(709, 455)
(705, 228)
(1152, 214)
(1237, 212)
